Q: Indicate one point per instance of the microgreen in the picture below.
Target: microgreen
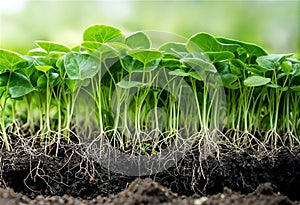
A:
(146, 98)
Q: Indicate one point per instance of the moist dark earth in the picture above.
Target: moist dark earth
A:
(232, 177)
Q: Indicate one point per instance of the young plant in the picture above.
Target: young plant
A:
(13, 85)
(141, 99)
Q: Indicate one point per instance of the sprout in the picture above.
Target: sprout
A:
(143, 99)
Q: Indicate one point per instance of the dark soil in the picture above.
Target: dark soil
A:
(146, 191)
(236, 177)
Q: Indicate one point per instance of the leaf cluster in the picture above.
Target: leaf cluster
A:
(126, 79)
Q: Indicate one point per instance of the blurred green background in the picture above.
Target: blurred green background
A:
(275, 25)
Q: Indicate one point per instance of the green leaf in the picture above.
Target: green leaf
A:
(94, 47)
(220, 55)
(296, 68)
(254, 81)
(103, 34)
(177, 49)
(145, 55)
(170, 63)
(50, 46)
(258, 70)
(228, 79)
(131, 65)
(76, 49)
(152, 65)
(2, 91)
(273, 61)
(237, 66)
(104, 51)
(71, 85)
(9, 60)
(43, 68)
(28, 67)
(205, 42)
(243, 55)
(81, 66)
(41, 82)
(179, 72)
(54, 79)
(272, 85)
(85, 82)
(61, 66)
(295, 88)
(4, 79)
(138, 40)
(37, 52)
(222, 67)
(280, 75)
(287, 67)
(119, 48)
(251, 49)
(199, 63)
(49, 60)
(196, 75)
(130, 84)
(19, 85)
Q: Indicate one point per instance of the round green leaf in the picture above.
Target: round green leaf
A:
(119, 48)
(205, 42)
(271, 62)
(103, 34)
(107, 50)
(50, 46)
(254, 81)
(145, 55)
(81, 66)
(175, 48)
(138, 40)
(250, 48)
(93, 47)
(131, 65)
(220, 55)
(228, 79)
(9, 60)
(19, 85)
(200, 63)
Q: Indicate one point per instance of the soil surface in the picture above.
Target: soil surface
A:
(146, 191)
(232, 177)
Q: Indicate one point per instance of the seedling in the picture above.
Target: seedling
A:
(159, 95)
